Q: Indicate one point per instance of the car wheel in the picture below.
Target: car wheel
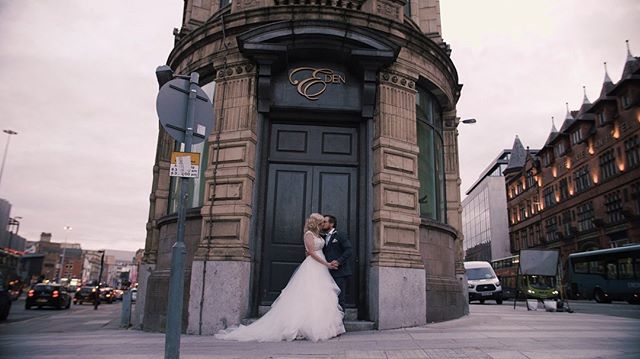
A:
(481, 301)
(499, 301)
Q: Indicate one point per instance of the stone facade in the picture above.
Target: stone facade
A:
(407, 266)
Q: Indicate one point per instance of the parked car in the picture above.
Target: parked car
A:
(106, 295)
(5, 299)
(84, 295)
(117, 294)
(48, 295)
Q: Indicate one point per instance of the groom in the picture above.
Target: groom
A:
(337, 250)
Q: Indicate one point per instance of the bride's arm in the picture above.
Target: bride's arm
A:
(308, 246)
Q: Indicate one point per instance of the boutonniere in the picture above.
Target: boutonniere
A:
(334, 241)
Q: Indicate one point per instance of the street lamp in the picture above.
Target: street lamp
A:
(6, 149)
(14, 222)
(64, 251)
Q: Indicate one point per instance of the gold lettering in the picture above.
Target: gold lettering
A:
(316, 84)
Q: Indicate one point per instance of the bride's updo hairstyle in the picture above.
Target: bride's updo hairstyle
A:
(313, 222)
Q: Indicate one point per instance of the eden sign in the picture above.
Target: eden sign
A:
(312, 82)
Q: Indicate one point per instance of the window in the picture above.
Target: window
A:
(596, 267)
(523, 213)
(547, 159)
(581, 267)
(431, 157)
(566, 222)
(224, 3)
(607, 165)
(613, 206)
(560, 149)
(625, 268)
(519, 188)
(585, 216)
(582, 178)
(632, 149)
(549, 197)
(576, 136)
(626, 100)
(612, 271)
(635, 194)
(551, 229)
(564, 188)
(602, 119)
(531, 181)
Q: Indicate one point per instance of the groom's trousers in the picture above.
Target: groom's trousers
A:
(342, 284)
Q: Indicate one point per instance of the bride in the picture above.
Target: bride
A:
(307, 307)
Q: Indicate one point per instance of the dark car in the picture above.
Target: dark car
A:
(84, 295)
(48, 295)
(107, 295)
(5, 299)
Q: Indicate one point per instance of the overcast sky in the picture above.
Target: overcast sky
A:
(78, 86)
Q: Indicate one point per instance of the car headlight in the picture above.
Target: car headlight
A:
(497, 284)
(530, 291)
(554, 292)
(471, 286)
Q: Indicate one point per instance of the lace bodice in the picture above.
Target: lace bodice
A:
(318, 242)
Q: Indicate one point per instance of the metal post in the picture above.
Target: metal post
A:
(101, 266)
(6, 149)
(178, 251)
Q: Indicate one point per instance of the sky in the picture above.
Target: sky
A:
(78, 86)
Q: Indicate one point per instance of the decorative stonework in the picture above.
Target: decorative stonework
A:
(347, 4)
(397, 80)
(388, 9)
(396, 161)
(233, 70)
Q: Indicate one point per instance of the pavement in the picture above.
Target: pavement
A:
(490, 331)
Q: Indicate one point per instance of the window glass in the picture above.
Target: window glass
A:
(596, 267)
(625, 268)
(581, 267)
(612, 271)
(431, 157)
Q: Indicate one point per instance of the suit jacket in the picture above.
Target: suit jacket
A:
(339, 248)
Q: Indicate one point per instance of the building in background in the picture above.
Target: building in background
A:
(346, 108)
(484, 214)
(5, 213)
(582, 190)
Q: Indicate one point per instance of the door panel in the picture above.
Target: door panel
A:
(288, 203)
(334, 192)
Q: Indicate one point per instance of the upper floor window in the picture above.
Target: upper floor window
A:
(632, 149)
(224, 3)
(546, 159)
(626, 100)
(549, 197)
(431, 157)
(564, 188)
(551, 229)
(585, 216)
(576, 136)
(582, 178)
(560, 149)
(607, 165)
(531, 181)
(613, 206)
(602, 118)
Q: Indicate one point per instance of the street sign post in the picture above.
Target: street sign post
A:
(182, 107)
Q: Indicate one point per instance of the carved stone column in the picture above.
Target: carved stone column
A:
(220, 279)
(397, 278)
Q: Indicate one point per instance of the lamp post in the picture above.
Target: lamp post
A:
(64, 251)
(13, 222)
(6, 149)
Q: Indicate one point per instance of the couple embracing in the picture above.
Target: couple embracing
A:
(311, 306)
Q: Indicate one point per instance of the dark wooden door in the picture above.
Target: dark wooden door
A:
(311, 169)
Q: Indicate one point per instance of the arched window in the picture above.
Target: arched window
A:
(431, 157)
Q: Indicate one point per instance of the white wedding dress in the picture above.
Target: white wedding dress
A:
(306, 308)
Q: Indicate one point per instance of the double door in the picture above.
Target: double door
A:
(311, 169)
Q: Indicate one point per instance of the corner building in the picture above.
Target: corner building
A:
(338, 107)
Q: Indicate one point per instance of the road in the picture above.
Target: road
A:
(78, 318)
(615, 309)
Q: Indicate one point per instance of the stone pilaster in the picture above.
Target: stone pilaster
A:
(223, 259)
(397, 275)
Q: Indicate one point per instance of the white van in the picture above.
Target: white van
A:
(482, 282)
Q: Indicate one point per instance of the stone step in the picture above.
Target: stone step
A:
(351, 314)
(349, 325)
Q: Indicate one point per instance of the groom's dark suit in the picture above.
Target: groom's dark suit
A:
(337, 247)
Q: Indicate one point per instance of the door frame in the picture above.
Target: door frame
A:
(364, 126)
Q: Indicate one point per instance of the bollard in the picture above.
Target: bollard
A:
(125, 314)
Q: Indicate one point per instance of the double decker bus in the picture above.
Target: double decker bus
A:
(524, 286)
(606, 274)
